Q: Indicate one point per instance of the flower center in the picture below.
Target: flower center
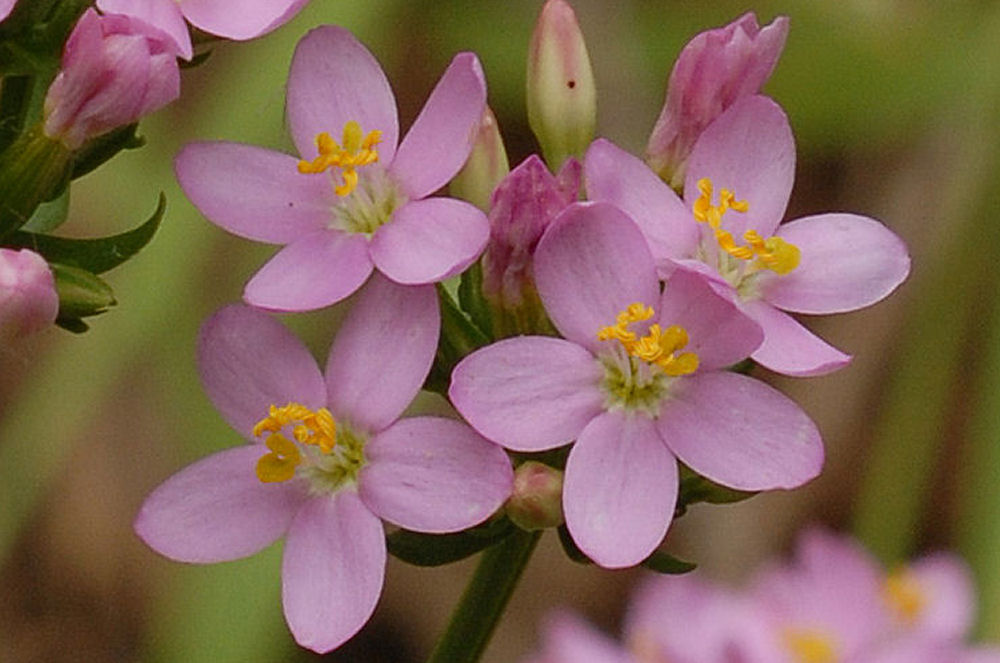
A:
(319, 449)
(810, 645)
(772, 253)
(358, 150)
(904, 595)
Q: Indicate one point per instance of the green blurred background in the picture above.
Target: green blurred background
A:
(894, 105)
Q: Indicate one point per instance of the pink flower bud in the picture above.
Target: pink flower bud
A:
(523, 205)
(486, 167)
(28, 299)
(536, 502)
(715, 69)
(5, 8)
(115, 69)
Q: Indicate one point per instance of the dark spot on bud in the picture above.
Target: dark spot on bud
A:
(571, 84)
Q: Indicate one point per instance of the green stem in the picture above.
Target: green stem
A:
(484, 600)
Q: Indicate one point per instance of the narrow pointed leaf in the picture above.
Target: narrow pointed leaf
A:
(437, 549)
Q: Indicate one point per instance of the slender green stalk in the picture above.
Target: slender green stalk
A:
(484, 600)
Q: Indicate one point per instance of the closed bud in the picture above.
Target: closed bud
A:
(536, 502)
(715, 69)
(561, 97)
(486, 166)
(28, 299)
(115, 69)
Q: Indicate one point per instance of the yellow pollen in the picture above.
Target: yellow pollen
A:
(658, 347)
(358, 150)
(905, 596)
(810, 646)
(316, 428)
(772, 253)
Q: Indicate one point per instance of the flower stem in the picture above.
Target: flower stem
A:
(484, 600)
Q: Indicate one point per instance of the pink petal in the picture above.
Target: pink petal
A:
(334, 79)
(5, 8)
(615, 176)
(249, 361)
(740, 432)
(162, 14)
(440, 140)
(568, 639)
(382, 353)
(235, 19)
(217, 510)
(431, 474)
(332, 570)
(620, 490)
(718, 332)
(252, 192)
(316, 270)
(590, 265)
(789, 348)
(749, 149)
(848, 262)
(946, 584)
(528, 393)
(430, 240)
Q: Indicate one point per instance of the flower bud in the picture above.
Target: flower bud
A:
(715, 69)
(115, 69)
(523, 206)
(28, 299)
(561, 97)
(536, 502)
(486, 167)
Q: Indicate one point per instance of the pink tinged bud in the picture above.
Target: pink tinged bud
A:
(5, 8)
(28, 299)
(486, 167)
(561, 97)
(536, 502)
(115, 69)
(715, 69)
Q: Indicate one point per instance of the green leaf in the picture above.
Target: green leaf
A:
(661, 562)
(470, 297)
(81, 293)
(437, 549)
(93, 255)
(99, 150)
(50, 215)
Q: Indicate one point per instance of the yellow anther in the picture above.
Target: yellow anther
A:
(280, 463)
(658, 347)
(810, 646)
(358, 150)
(308, 427)
(905, 595)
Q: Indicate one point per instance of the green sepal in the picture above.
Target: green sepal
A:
(93, 255)
(81, 294)
(198, 60)
(33, 169)
(459, 337)
(99, 150)
(48, 216)
(662, 562)
(438, 549)
(743, 367)
(470, 297)
(695, 488)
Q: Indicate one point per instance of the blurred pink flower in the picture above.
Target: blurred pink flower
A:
(372, 210)
(28, 298)
(826, 263)
(232, 19)
(713, 70)
(327, 460)
(634, 405)
(115, 69)
(568, 639)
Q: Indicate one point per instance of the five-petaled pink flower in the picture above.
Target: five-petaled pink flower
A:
(329, 457)
(371, 209)
(739, 179)
(638, 383)
(232, 19)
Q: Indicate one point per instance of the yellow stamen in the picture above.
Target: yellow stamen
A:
(658, 347)
(810, 646)
(773, 253)
(309, 427)
(358, 150)
(905, 596)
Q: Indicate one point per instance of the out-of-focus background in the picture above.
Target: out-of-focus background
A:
(894, 106)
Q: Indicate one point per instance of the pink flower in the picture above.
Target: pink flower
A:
(329, 457)
(6, 6)
(371, 210)
(639, 383)
(739, 179)
(715, 69)
(568, 639)
(115, 69)
(28, 298)
(232, 19)
(932, 597)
